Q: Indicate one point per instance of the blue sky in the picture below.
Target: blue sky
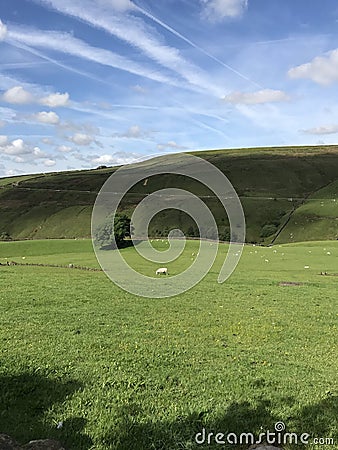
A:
(91, 82)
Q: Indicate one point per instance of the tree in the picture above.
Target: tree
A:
(192, 232)
(4, 236)
(118, 229)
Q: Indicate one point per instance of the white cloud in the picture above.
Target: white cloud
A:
(20, 151)
(133, 132)
(20, 95)
(83, 127)
(10, 172)
(38, 153)
(2, 123)
(47, 141)
(103, 159)
(117, 158)
(64, 148)
(258, 97)
(139, 89)
(325, 129)
(17, 95)
(16, 147)
(55, 100)
(50, 117)
(218, 10)
(172, 145)
(82, 139)
(3, 140)
(49, 162)
(119, 5)
(322, 69)
(3, 31)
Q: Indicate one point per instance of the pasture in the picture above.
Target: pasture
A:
(97, 368)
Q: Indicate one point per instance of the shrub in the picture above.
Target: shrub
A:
(268, 230)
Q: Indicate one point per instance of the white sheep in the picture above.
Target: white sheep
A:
(162, 271)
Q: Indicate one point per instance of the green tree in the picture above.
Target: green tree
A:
(4, 236)
(192, 232)
(119, 229)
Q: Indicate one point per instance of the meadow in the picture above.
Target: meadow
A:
(97, 368)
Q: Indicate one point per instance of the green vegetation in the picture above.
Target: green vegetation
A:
(281, 190)
(319, 212)
(113, 230)
(122, 372)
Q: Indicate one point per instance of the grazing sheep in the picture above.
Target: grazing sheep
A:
(162, 271)
(71, 266)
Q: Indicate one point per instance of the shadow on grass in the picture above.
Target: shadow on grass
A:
(318, 420)
(125, 244)
(24, 400)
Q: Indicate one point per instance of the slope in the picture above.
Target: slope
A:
(281, 190)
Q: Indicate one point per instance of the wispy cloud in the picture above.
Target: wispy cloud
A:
(67, 44)
(218, 10)
(138, 35)
(258, 97)
(322, 130)
(197, 47)
(48, 59)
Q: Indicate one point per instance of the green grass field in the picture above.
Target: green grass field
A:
(123, 372)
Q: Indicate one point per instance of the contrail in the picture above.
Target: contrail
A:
(29, 49)
(197, 47)
(200, 122)
(22, 65)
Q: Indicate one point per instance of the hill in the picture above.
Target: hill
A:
(288, 194)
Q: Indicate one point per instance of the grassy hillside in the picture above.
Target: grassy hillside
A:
(288, 194)
(318, 215)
